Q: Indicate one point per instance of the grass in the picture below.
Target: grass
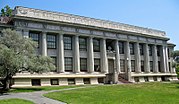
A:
(15, 101)
(146, 93)
(39, 88)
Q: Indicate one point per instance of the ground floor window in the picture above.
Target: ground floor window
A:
(100, 80)
(151, 66)
(142, 66)
(155, 78)
(86, 80)
(83, 64)
(122, 65)
(146, 79)
(133, 65)
(159, 67)
(54, 81)
(68, 64)
(71, 81)
(36, 82)
(97, 65)
(136, 79)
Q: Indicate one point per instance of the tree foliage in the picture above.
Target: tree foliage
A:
(175, 55)
(6, 11)
(18, 54)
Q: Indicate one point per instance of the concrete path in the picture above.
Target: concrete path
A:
(37, 97)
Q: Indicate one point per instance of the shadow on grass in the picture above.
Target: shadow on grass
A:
(26, 89)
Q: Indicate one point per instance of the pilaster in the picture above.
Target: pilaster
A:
(90, 55)
(44, 44)
(60, 54)
(117, 57)
(137, 58)
(104, 59)
(76, 54)
(146, 58)
(155, 58)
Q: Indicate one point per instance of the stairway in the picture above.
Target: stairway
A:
(121, 79)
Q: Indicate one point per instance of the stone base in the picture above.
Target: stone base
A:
(141, 79)
(151, 79)
(79, 81)
(93, 80)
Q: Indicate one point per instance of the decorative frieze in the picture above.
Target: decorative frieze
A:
(62, 17)
(120, 36)
(35, 25)
(142, 39)
(69, 29)
(133, 37)
(97, 32)
(84, 31)
(112, 35)
(159, 41)
(151, 40)
(53, 27)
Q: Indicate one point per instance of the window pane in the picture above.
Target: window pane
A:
(150, 50)
(142, 66)
(51, 41)
(133, 65)
(67, 42)
(122, 65)
(131, 45)
(141, 47)
(82, 44)
(121, 47)
(96, 45)
(68, 64)
(151, 66)
(35, 37)
(83, 64)
(97, 65)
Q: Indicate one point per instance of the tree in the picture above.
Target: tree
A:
(175, 55)
(6, 11)
(17, 54)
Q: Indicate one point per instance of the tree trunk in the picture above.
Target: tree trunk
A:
(6, 84)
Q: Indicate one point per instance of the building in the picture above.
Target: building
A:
(91, 51)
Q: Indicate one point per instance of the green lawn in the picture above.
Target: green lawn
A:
(146, 93)
(40, 88)
(15, 101)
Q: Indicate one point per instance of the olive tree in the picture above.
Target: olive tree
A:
(18, 54)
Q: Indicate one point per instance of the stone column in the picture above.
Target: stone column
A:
(90, 55)
(146, 58)
(76, 54)
(166, 57)
(137, 58)
(117, 57)
(44, 44)
(163, 59)
(60, 54)
(127, 61)
(155, 58)
(104, 59)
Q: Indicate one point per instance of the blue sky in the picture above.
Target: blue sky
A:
(156, 14)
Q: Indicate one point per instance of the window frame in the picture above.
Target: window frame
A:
(97, 62)
(82, 46)
(96, 45)
(35, 36)
(131, 46)
(132, 65)
(121, 47)
(68, 63)
(51, 38)
(67, 43)
(83, 65)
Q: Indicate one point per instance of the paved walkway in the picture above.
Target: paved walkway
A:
(37, 97)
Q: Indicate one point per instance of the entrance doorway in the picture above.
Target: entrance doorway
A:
(109, 76)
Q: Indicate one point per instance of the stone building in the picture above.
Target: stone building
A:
(91, 51)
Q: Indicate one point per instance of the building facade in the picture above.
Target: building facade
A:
(91, 51)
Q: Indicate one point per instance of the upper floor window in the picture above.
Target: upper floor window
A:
(131, 45)
(51, 41)
(35, 37)
(121, 47)
(67, 43)
(141, 47)
(82, 44)
(96, 45)
(158, 50)
(150, 50)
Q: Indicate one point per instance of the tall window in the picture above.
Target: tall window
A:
(83, 44)
(133, 65)
(51, 41)
(159, 67)
(141, 47)
(68, 64)
(122, 65)
(67, 42)
(97, 65)
(169, 66)
(121, 47)
(35, 37)
(142, 66)
(96, 45)
(131, 45)
(150, 50)
(83, 64)
(158, 50)
(151, 66)
(54, 59)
